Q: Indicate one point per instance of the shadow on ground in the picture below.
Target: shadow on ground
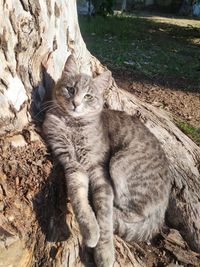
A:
(159, 51)
(50, 205)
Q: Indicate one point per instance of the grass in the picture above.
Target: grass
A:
(153, 45)
(191, 131)
(148, 45)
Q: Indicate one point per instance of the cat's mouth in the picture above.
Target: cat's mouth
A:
(76, 112)
(80, 113)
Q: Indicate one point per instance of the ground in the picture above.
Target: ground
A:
(154, 56)
(183, 105)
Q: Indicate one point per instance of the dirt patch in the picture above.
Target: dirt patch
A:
(33, 203)
(168, 93)
(23, 172)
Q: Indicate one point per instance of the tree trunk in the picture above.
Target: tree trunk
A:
(38, 227)
(123, 5)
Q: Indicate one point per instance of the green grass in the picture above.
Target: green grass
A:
(191, 131)
(146, 45)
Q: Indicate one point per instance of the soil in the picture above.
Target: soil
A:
(169, 93)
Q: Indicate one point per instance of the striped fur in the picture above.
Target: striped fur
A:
(111, 155)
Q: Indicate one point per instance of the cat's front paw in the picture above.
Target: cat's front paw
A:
(91, 233)
(104, 254)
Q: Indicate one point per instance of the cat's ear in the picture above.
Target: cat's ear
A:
(70, 67)
(103, 80)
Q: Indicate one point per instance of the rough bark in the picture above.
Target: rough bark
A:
(38, 227)
(123, 5)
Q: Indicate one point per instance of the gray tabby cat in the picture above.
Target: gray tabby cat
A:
(112, 155)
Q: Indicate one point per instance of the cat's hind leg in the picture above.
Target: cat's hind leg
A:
(140, 197)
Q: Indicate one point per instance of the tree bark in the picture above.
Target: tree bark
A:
(37, 224)
(123, 5)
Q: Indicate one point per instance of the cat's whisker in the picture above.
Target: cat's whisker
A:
(49, 101)
(43, 109)
(49, 108)
(49, 105)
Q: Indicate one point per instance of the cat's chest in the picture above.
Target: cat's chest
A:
(90, 145)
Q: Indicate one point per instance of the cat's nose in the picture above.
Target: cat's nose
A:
(76, 103)
(73, 103)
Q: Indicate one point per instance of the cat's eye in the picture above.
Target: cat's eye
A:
(88, 97)
(71, 90)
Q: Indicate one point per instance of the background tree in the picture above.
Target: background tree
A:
(103, 7)
(124, 2)
(38, 227)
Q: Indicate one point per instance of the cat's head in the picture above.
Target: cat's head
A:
(78, 94)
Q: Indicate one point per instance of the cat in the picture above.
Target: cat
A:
(111, 155)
